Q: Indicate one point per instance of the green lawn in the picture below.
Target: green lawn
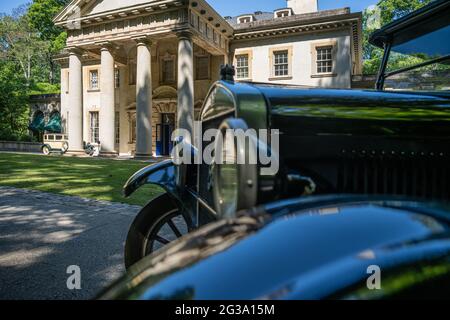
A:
(94, 178)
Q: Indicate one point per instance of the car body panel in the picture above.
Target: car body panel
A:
(295, 245)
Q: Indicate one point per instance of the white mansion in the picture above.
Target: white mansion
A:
(131, 66)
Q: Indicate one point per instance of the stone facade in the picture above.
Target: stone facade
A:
(134, 70)
(46, 104)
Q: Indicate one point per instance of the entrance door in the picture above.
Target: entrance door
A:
(164, 142)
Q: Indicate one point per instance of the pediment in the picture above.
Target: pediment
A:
(102, 6)
(78, 9)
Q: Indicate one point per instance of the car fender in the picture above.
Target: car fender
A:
(161, 174)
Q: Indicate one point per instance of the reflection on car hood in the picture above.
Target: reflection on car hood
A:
(264, 255)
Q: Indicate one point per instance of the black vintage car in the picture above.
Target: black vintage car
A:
(323, 247)
(392, 141)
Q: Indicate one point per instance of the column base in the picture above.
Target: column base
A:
(75, 153)
(109, 154)
(143, 156)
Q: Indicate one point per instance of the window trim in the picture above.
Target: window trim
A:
(314, 47)
(89, 79)
(246, 16)
(132, 136)
(91, 133)
(249, 53)
(117, 76)
(272, 52)
(280, 11)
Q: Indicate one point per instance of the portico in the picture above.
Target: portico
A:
(134, 70)
(113, 51)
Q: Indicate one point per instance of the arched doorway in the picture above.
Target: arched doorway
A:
(164, 119)
(164, 123)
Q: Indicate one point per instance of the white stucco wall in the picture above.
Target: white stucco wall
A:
(302, 59)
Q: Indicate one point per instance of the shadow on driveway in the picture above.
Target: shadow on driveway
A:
(42, 234)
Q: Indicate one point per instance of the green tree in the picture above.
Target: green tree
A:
(40, 16)
(383, 13)
(20, 43)
(394, 9)
(13, 102)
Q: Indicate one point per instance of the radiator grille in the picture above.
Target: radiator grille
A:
(408, 177)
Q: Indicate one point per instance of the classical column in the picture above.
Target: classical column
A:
(75, 102)
(185, 108)
(143, 99)
(107, 102)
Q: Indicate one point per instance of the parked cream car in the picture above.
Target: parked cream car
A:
(55, 143)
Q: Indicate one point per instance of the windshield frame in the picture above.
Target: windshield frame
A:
(401, 31)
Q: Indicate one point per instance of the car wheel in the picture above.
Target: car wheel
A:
(46, 150)
(157, 224)
(65, 147)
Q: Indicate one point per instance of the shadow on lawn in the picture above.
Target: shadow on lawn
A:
(100, 179)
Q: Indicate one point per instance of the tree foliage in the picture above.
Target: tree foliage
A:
(40, 16)
(383, 13)
(394, 9)
(28, 42)
(13, 102)
(20, 43)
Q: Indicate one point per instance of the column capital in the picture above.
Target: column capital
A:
(105, 45)
(143, 41)
(75, 51)
(185, 35)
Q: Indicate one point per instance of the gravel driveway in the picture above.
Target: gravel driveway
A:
(42, 234)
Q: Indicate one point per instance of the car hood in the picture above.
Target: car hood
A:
(319, 112)
(265, 254)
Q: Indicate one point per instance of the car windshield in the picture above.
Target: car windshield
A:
(420, 63)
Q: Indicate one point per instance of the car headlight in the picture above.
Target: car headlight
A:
(235, 176)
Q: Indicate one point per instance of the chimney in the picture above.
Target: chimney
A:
(302, 6)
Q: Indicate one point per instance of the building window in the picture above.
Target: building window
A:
(117, 127)
(283, 13)
(94, 127)
(93, 80)
(132, 73)
(324, 59)
(117, 78)
(245, 19)
(193, 19)
(202, 68)
(168, 70)
(242, 66)
(281, 63)
(132, 127)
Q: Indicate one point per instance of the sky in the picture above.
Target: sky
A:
(237, 7)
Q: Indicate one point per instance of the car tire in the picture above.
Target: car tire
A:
(149, 218)
(65, 147)
(46, 150)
